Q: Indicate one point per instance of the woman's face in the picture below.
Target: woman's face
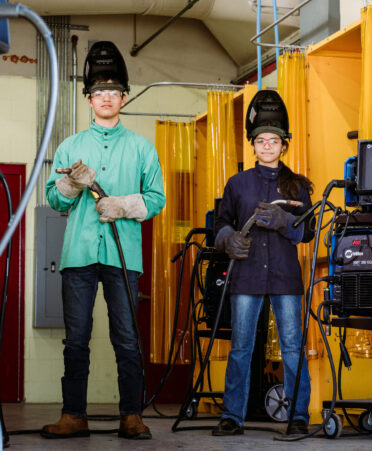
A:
(268, 147)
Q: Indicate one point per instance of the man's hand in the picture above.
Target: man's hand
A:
(80, 177)
(131, 206)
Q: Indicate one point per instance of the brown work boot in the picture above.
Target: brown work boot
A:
(67, 427)
(131, 426)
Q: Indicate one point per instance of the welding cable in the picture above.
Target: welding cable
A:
(321, 279)
(360, 431)
(332, 184)
(342, 337)
(170, 365)
(333, 261)
(327, 241)
(5, 292)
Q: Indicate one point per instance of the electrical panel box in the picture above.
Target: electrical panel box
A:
(50, 229)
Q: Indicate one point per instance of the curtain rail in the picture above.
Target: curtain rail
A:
(186, 85)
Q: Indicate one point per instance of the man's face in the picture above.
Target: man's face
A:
(106, 103)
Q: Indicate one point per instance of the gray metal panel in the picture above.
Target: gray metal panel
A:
(318, 20)
(50, 229)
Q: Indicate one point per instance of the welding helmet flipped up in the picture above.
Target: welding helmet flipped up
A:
(104, 57)
(267, 113)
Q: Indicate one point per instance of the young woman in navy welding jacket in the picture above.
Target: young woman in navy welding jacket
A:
(266, 264)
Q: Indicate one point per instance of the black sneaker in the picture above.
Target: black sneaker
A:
(227, 426)
(298, 427)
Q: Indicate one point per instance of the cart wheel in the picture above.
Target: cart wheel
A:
(333, 428)
(276, 403)
(365, 421)
(192, 410)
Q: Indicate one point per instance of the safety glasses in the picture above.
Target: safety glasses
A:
(271, 141)
(100, 93)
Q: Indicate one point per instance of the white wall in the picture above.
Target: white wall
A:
(350, 11)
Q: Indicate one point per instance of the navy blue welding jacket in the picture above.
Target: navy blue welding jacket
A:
(272, 266)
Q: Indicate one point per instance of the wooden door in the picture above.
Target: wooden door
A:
(12, 353)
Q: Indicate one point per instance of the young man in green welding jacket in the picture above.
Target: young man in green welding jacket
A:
(122, 163)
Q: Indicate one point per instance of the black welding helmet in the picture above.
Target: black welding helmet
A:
(267, 113)
(104, 58)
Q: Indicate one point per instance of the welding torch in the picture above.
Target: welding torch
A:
(251, 221)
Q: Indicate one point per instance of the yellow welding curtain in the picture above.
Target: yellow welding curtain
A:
(175, 146)
(219, 158)
(220, 152)
(365, 110)
(292, 89)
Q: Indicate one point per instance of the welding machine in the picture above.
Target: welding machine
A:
(351, 242)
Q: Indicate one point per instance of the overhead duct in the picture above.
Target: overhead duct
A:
(231, 23)
(238, 10)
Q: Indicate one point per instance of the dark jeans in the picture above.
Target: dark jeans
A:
(79, 288)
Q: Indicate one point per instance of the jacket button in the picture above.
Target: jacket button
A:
(265, 266)
(103, 169)
(105, 147)
(263, 244)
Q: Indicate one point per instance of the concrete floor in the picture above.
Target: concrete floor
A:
(34, 416)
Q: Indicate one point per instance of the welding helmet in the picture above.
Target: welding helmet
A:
(267, 113)
(104, 58)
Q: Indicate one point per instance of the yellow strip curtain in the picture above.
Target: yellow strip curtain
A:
(292, 89)
(216, 163)
(221, 152)
(175, 146)
(365, 110)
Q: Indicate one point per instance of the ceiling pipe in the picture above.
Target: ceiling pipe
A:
(137, 48)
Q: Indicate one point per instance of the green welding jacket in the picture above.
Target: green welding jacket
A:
(125, 162)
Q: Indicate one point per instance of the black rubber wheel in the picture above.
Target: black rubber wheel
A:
(333, 428)
(277, 404)
(192, 411)
(365, 421)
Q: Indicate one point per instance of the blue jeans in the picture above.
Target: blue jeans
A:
(245, 311)
(79, 288)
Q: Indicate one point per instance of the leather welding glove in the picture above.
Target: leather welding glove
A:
(272, 216)
(233, 243)
(131, 206)
(81, 176)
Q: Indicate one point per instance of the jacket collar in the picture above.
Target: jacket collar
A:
(107, 131)
(269, 173)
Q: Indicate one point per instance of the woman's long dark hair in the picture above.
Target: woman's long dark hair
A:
(290, 183)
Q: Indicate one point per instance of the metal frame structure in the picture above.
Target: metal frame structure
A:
(274, 24)
(180, 84)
